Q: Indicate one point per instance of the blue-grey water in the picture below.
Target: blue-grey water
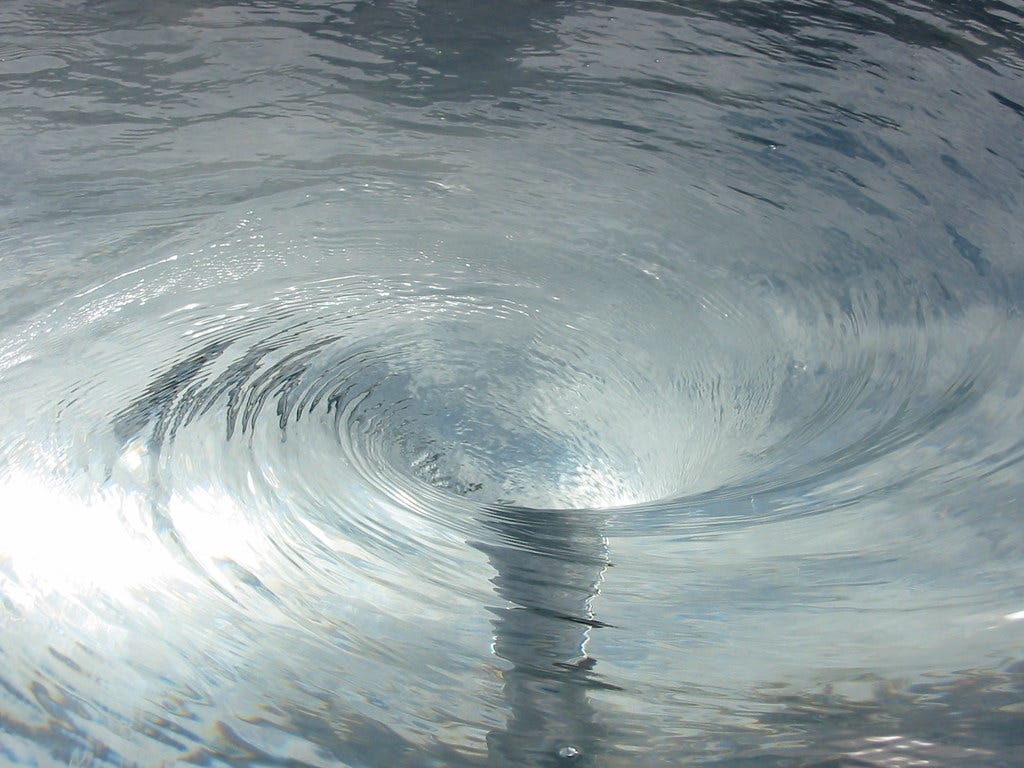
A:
(453, 383)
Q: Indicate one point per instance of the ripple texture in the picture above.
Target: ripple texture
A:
(440, 384)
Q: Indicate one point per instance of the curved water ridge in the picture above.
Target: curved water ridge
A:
(424, 384)
(651, 388)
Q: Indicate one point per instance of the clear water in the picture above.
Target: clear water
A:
(514, 384)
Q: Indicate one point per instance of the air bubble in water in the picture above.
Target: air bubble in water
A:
(568, 753)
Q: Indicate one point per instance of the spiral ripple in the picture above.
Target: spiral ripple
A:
(417, 384)
(283, 438)
(662, 392)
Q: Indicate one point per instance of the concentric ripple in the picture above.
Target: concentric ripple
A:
(282, 437)
(455, 389)
(652, 386)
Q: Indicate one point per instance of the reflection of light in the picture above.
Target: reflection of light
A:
(1016, 616)
(210, 525)
(102, 539)
(594, 487)
(218, 532)
(58, 541)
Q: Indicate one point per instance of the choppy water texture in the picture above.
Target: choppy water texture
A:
(514, 384)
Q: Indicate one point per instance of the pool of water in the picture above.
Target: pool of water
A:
(513, 384)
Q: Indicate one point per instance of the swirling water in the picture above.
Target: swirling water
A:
(529, 383)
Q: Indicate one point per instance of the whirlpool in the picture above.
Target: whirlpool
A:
(459, 383)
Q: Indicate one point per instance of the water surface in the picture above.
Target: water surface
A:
(529, 383)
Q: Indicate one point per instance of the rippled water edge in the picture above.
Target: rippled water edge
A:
(218, 313)
(728, 559)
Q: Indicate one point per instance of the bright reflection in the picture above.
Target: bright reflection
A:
(213, 527)
(595, 487)
(56, 540)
